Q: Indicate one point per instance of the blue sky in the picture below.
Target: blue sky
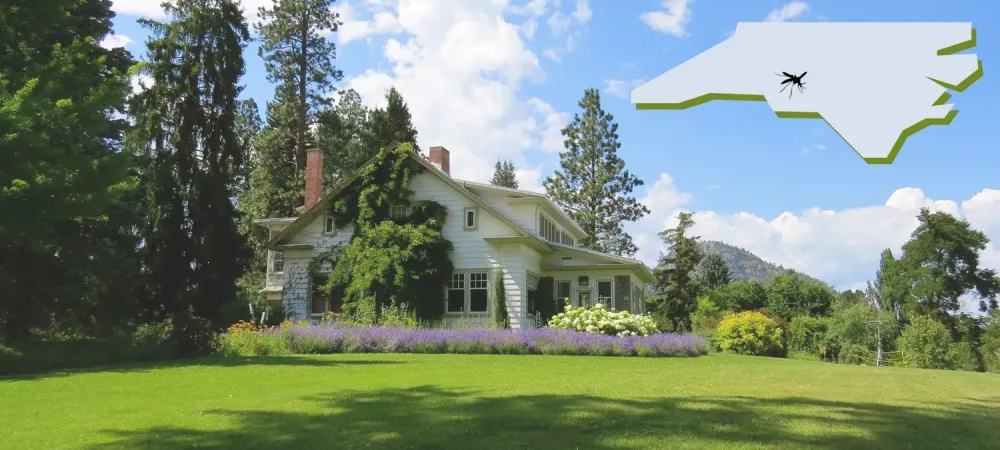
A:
(492, 79)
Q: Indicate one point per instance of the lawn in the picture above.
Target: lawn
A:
(492, 402)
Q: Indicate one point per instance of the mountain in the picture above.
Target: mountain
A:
(746, 265)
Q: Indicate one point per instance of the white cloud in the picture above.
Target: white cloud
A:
(529, 179)
(354, 28)
(787, 12)
(534, 8)
(839, 247)
(621, 88)
(529, 28)
(672, 21)
(459, 66)
(560, 22)
(552, 54)
(115, 40)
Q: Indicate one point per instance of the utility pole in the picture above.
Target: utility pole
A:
(878, 330)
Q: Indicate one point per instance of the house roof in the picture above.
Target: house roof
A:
(620, 259)
(309, 215)
(530, 196)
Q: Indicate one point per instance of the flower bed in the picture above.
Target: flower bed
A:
(544, 341)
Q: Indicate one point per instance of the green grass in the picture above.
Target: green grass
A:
(493, 402)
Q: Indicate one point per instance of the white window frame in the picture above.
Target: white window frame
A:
(562, 300)
(608, 301)
(398, 212)
(467, 282)
(271, 260)
(475, 218)
(329, 225)
(530, 284)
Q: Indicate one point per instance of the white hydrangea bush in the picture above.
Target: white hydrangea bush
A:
(599, 319)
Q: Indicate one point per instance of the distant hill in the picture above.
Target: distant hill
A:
(746, 265)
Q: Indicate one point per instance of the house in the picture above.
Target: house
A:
(492, 228)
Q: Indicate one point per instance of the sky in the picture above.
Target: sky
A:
(491, 79)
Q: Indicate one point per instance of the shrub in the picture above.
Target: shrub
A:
(545, 341)
(807, 334)
(249, 339)
(750, 333)
(965, 356)
(926, 343)
(500, 315)
(599, 319)
(990, 345)
(706, 315)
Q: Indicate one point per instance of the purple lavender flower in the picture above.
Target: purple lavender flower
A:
(549, 341)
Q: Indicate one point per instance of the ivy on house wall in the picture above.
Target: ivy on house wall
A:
(388, 261)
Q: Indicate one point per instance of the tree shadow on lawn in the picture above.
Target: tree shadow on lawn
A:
(434, 418)
(207, 361)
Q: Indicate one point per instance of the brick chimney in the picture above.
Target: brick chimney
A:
(441, 159)
(314, 176)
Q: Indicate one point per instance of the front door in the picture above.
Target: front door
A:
(585, 297)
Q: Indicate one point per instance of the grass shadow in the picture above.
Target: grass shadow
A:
(213, 361)
(434, 418)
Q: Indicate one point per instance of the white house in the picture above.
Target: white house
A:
(492, 228)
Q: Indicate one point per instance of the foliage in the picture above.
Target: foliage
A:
(500, 315)
(592, 184)
(599, 319)
(67, 255)
(187, 135)
(990, 345)
(889, 290)
(677, 290)
(707, 314)
(388, 261)
(940, 263)
(298, 58)
(392, 124)
(503, 175)
(853, 334)
(965, 356)
(368, 313)
(750, 333)
(739, 296)
(807, 334)
(789, 295)
(713, 271)
(926, 343)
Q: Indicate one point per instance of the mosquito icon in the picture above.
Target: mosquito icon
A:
(792, 80)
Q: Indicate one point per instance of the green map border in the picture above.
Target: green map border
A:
(903, 136)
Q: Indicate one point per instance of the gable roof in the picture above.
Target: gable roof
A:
(620, 259)
(321, 206)
(530, 196)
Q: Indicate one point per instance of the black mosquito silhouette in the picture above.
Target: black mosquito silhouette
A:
(792, 80)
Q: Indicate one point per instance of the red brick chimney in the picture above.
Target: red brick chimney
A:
(314, 176)
(441, 159)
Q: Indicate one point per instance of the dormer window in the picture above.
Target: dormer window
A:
(470, 219)
(551, 232)
(329, 226)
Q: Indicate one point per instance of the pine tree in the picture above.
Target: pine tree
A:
(299, 59)
(343, 135)
(188, 121)
(677, 290)
(713, 271)
(503, 175)
(391, 124)
(592, 184)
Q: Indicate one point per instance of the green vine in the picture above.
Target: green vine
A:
(388, 262)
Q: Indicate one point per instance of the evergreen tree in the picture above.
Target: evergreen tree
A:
(299, 59)
(343, 135)
(677, 290)
(593, 185)
(503, 175)
(64, 240)
(391, 124)
(713, 271)
(188, 121)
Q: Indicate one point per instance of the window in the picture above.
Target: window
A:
(277, 262)
(562, 292)
(479, 293)
(471, 219)
(456, 293)
(532, 281)
(397, 212)
(583, 297)
(328, 225)
(604, 293)
(469, 292)
(321, 302)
